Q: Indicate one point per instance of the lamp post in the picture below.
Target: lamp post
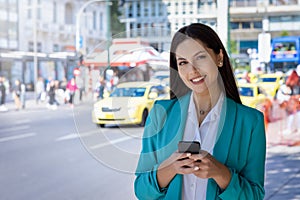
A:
(78, 16)
(35, 61)
(108, 35)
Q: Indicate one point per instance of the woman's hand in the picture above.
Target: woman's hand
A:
(206, 166)
(177, 163)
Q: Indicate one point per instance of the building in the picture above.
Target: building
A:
(158, 20)
(8, 32)
(248, 18)
(50, 26)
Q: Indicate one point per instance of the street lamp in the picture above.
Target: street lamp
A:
(78, 15)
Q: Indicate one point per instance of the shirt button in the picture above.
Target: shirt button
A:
(192, 185)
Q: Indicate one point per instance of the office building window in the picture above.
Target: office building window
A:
(55, 48)
(234, 25)
(257, 24)
(246, 25)
(29, 12)
(94, 20)
(68, 13)
(101, 22)
(39, 9)
(54, 12)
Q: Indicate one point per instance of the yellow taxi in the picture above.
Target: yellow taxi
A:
(242, 78)
(129, 103)
(254, 96)
(271, 83)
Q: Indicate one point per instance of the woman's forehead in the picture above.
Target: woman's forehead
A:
(189, 47)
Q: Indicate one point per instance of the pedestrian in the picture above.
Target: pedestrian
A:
(23, 95)
(100, 88)
(71, 88)
(293, 81)
(40, 90)
(16, 92)
(51, 94)
(2, 94)
(80, 84)
(114, 80)
(205, 106)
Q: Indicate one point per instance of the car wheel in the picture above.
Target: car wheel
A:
(144, 117)
(101, 125)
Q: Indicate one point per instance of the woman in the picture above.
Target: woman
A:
(205, 106)
(17, 94)
(71, 88)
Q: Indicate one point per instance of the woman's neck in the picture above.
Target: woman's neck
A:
(204, 102)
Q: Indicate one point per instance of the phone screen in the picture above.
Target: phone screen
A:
(189, 147)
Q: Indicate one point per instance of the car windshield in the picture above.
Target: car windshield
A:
(128, 92)
(268, 79)
(246, 91)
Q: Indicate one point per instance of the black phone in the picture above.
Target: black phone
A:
(192, 147)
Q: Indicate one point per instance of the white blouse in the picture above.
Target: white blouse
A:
(194, 187)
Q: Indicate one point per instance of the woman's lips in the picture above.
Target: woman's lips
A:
(198, 79)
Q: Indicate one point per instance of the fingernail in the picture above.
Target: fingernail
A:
(196, 168)
(188, 154)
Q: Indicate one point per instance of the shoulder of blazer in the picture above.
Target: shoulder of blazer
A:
(169, 104)
(244, 111)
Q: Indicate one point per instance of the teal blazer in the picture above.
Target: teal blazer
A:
(240, 145)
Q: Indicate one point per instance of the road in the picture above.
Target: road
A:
(59, 154)
(46, 154)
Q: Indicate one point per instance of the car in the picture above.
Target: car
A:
(271, 82)
(242, 78)
(254, 96)
(162, 77)
(129, 103)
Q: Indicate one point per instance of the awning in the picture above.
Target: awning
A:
(126, 52)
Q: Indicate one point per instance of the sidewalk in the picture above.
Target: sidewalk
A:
(31, 104)
(279, 133)
(283, 161)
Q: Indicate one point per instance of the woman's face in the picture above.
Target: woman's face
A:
(197, 65)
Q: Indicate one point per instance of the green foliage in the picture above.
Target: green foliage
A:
(116, 26)
(284, 33)
(233, 45)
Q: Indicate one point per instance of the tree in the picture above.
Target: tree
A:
(116, 26)
(284, 33)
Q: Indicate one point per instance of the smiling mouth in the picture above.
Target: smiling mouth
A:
(198, 79)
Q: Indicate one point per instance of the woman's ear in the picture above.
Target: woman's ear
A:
(220, 59)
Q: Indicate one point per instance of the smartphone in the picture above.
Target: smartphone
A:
(192, 147)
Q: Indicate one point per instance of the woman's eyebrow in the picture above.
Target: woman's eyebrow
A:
(199, 52)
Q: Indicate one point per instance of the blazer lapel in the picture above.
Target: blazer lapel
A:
(225, 130)
(184, 106)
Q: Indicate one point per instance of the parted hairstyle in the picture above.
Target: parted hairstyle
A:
(205, 34)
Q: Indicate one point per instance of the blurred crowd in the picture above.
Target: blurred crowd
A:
(49, 91)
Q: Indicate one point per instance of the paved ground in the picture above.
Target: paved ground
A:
(283, 156)
(283, 160)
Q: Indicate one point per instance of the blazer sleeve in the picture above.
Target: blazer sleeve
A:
(146, 185)
(249, 182)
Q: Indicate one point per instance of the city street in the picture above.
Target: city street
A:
(43, 157)
(59, 154)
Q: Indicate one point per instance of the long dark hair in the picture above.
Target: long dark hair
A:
(209, 38)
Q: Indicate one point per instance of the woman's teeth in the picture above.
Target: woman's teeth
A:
(198, 79)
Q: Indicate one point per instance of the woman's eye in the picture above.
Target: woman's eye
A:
(182, 63)
(200, 57)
